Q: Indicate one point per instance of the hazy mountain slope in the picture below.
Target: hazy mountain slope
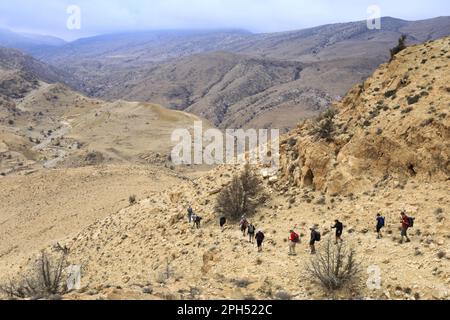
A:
(152, 46)
(30, 43)
(209, 85)
(15, 61)
(177, 68)
(157, 46)
(344, 40)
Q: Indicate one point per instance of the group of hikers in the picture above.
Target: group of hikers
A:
(248, 229)
(294, 239)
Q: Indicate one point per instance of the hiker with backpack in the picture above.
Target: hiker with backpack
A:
(294, 238)
(381, 223)
(407, 222)
(339, 230)
(251, 233)
(243, 224)
(222, 222)
(259, 239)
(197, 221)
(315, 237)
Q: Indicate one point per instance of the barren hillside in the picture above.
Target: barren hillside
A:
(388, 152)
(394, 126)
(67, 160)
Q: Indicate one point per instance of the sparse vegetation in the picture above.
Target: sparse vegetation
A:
(166, 274)
(400, 46)
(132, 199)
(241, 283)
(324, 127)
(413, 99)
(390, 93)
(283, 295)
(407, 110)
(241, 196)
(45, 279)
(334, 266)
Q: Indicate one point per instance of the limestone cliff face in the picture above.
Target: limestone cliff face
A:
(392, 127)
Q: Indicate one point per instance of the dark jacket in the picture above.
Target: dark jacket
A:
(313, 236)
(339, 227)
(260, 236)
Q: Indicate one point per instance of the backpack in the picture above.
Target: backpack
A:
(411, 221)
(296, 238)
(382, 222)
(318, 236)
(260, 236)
(251, 229)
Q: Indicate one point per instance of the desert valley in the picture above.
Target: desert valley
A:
(86, 165)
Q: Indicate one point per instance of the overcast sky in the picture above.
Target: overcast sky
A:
(109, 16)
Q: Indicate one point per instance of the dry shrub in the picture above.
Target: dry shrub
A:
(334, 266)
(132, 200)
(324, 126)
(399, 47)
(45, 278)
(241, 196)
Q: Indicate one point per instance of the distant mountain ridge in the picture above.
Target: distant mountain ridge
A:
(208, 72)
(29, 43)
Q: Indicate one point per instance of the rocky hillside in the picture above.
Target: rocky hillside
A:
(228, 89)
(14, 60)
(388, 152)
(393, 127)
(30, 43)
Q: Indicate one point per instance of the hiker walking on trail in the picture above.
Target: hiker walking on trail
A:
(294, 238)
(244, 225)
(190, 214)
(222, 222)
(197, 221)
(407, 223)
(259, 240)
(339, 230)
(193, 218)
(251, 233)
(315, 236)
(381, 222)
